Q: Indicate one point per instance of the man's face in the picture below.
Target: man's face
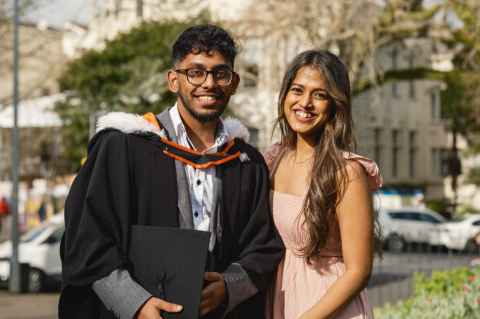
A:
(203, 100)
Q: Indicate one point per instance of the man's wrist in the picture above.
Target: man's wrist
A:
(224, 304)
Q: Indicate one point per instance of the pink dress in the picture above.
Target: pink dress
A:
(298, 285)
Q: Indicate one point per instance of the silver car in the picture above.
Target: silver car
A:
(411, 225)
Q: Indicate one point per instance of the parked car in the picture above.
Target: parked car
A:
(463, 233)
(410, 225)
(40, 249)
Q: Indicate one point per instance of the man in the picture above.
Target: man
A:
(136, 174)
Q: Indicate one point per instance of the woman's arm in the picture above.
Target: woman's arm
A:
(355, 218)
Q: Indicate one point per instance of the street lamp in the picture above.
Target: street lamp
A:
(15, 282)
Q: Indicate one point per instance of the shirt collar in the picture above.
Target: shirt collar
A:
(221, 138)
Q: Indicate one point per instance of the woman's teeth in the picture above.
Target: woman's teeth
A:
(303, 114)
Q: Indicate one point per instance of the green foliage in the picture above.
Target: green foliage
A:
(128, 75)
(438, 205)
(474, 176)
(461, 102)
(442, 282)
(452, 294)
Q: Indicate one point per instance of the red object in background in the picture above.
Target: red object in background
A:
(4, 208)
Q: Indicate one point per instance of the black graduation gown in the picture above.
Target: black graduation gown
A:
(127, 180)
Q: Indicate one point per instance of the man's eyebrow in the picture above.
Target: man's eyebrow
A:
(201, 66)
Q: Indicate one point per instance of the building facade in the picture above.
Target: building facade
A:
(41, 62)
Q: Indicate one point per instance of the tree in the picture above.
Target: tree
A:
(127, 75)
(354, 29)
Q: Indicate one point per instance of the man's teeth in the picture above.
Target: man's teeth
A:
(206, 98)
(303, 114)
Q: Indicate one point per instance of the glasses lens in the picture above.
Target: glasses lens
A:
(223, 76)
(196, 76)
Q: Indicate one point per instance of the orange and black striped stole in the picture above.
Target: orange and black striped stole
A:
(191, 157)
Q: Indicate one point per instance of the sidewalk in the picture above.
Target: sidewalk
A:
(28, 306)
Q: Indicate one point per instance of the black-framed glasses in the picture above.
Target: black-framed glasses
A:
(196, 76)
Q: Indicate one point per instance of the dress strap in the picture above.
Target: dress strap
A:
(375, 179)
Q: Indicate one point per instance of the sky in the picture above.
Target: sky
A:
(57, 12)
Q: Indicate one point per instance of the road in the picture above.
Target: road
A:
(28, 306)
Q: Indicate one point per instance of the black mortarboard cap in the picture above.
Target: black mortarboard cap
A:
(170, 263)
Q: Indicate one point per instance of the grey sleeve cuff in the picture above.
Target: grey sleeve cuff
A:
(121, 294)
(239, 286)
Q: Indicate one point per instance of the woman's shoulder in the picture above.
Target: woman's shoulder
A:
(370, 167)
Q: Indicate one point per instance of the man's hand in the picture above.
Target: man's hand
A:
(151, 309)
(214, 292)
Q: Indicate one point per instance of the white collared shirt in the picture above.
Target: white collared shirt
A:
(200, 181)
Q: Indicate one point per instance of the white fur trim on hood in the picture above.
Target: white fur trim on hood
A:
(127, 123)
(235, 129)
(133, 123)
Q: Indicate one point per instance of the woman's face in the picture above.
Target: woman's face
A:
(307, 101)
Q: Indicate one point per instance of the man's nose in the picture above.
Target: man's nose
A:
(209, 81)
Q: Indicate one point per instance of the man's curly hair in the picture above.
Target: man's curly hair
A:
(204, 38)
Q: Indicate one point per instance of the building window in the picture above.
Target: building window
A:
(411, 84)
(394, 57)
(435, 106)
(435, 161)
(118, 7)
(377, 147)
(412, 152)
(439, 161)
(395, 152)
(444, 162)
(140, 8)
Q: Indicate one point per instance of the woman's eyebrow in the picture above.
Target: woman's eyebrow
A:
(302, 86)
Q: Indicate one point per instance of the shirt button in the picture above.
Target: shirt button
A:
(195, 214)
(199, 182)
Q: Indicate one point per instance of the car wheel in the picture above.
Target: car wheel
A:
(35, 280)
(471, 246)
(395, 243)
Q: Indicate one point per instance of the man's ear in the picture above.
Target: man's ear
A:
(172, 79)
(235, 82)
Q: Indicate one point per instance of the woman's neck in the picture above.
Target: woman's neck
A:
(304, 148)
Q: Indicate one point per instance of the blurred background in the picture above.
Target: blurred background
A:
(414, 68)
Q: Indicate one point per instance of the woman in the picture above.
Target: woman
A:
(321, 195)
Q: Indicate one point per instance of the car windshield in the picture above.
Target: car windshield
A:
(34, 233)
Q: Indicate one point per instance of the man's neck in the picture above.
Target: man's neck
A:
(201, 134)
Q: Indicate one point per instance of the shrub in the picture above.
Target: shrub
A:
(453, 294)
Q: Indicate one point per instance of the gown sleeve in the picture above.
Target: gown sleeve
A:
(97, 215)
(260, 246)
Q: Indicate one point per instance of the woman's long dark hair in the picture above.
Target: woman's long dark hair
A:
(328, 176)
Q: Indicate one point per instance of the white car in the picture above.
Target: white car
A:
(410, 225)
(40, 249)
(463, 233)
